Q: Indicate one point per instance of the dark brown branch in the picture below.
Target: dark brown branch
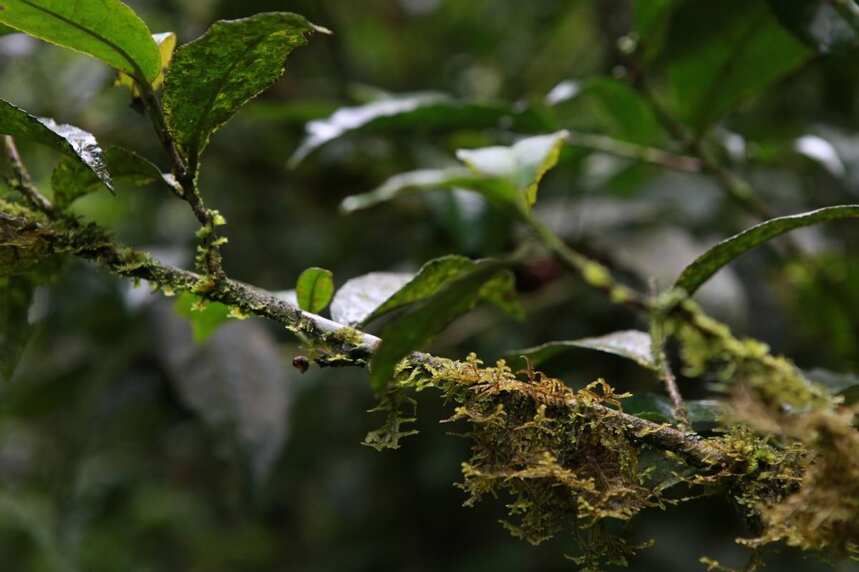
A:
(21, 180)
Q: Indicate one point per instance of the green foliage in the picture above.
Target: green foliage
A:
(131, 447)
(314, 289)
(68, 139)
(104, 29)
(710, 262)
(829, 27)
(212, 77)
(205, 317)
(719, 54)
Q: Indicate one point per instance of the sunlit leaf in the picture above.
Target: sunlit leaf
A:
(67, 139)
(166, 43)
(711, 261)
(212, 77)
(422, 111)
(205, 317)
(631, 344)
(314, 289)
(523, 164)
(104, 29)
(421, 322)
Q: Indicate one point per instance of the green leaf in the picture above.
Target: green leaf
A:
(356, 300)
(608, 106)
(421, 322)
(16, 294)
(67, 139)
(104, 29)
(212, 77)
(71, 180)
(314, 289)
(205, 317)
(523, 164)
(437, 273)
(631, 344)
(828, 27)
(422, 111)
(697, 273)
(721, 53)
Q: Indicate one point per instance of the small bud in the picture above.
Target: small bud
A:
(301, 363)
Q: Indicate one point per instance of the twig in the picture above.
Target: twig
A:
(22, 182)
(209, 258)
(355, 349)
(641, 153)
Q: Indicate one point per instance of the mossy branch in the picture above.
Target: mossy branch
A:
(334, 349)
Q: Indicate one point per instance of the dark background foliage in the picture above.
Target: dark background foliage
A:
(123, 446)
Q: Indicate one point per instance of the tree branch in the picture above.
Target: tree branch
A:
(336, 345)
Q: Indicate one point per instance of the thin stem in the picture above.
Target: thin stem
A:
(209, 257)
(592, 272)
(22, 182)
(641, 153)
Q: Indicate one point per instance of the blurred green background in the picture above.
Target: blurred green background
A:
(125, 446)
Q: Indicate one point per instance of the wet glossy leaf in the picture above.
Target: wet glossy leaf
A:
(523, 164)
(212, 77)
(205, 317)
(418, 324)
(829, 27)
(71, 180)
(314, 289)
(720, 53)
(16, 294)
(359, 297)
(631, 344)
(67, 139)
(104, 29)
(424, 111)
(437, 273)
(711, 261)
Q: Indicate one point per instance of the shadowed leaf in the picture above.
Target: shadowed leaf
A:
(711, 261)
(205, 317)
